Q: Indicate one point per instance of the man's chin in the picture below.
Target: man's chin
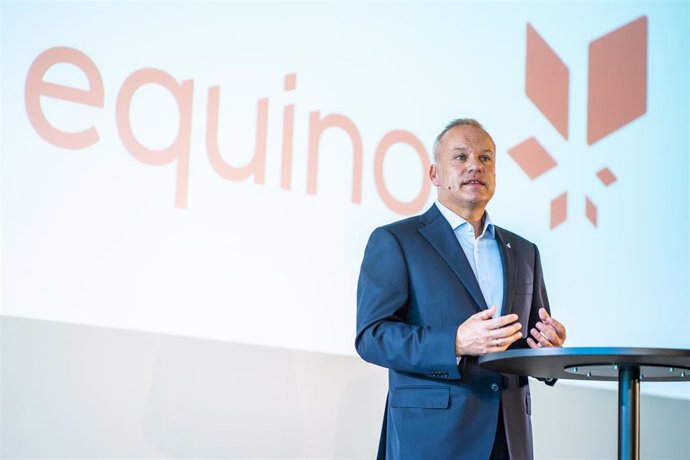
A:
(476, 199)
(464, 202)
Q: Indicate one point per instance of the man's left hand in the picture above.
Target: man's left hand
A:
(547, 333)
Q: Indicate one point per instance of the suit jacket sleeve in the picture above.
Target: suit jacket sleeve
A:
(383, 298)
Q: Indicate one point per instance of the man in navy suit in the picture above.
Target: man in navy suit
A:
(437, 291)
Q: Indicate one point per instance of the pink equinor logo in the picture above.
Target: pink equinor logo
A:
(617, 94)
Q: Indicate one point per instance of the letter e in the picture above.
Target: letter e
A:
(37, 87)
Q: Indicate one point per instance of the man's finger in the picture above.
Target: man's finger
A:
(485, 314)
(549, 332)
(560, 328)
(543, 314)
(539, 338)
(532, 343)
(502, 321)
(505, 331)
(503, 343)
(513, 338)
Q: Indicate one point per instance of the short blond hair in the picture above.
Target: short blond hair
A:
(452, 124)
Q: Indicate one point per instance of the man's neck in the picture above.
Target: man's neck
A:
(474, 216)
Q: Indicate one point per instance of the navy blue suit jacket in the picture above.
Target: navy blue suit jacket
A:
(415, 288)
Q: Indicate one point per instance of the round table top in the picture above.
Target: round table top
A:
(592, 363)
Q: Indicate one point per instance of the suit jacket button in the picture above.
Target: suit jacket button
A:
(494, 387)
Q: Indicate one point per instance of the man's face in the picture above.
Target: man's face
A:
(466, 163)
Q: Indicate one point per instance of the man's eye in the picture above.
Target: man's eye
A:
(486, 158)
(461, 157)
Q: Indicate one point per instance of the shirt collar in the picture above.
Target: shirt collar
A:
(456, 221)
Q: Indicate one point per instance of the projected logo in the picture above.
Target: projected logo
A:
(616, 95)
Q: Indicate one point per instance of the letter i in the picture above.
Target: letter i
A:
(288, 124)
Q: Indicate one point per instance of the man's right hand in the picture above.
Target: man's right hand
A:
(481, 334)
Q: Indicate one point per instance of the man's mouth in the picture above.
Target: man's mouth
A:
(473, 182)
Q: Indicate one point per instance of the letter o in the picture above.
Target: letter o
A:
(401, 207)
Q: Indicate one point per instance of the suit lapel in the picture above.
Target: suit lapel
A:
(439, 234)
(509, 260)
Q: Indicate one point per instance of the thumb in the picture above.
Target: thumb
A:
(486, 314)
(543, 314)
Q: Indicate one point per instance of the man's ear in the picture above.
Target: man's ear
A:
(433, 175)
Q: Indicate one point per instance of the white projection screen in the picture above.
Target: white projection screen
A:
(214, 169)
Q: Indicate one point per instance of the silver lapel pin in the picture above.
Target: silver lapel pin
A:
(508, 244)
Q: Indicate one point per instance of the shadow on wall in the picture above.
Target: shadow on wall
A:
(73, 391)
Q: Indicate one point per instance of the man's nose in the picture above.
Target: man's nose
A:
(473, 164)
